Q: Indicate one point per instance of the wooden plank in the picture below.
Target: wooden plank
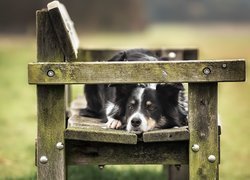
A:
(98, 134)
(203, 130)
(137, 72)
(64, 28)
(51, 106)
(77, 121)
(82, 153)
(173, 134)
(91, 129)
(48, 48)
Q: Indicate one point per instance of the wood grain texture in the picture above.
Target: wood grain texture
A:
(173, 134)
(48, 48)
(98, 134)
(51, 106)
(176, 172)
(81, 153)
(90, 129)
(64, 29)
(136, 72)
(203, 130)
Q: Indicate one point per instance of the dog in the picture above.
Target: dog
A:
(137, 107)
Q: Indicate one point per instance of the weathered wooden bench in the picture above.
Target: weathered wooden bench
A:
(85, 141)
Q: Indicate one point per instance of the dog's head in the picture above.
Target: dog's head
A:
(148, 106)
(154, 107)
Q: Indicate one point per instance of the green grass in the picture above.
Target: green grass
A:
(18, 101)
(17, 109)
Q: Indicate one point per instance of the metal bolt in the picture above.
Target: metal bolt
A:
(206, 71)
(195, 147)
(50, 73)
(43, 159)
(172, 55)
(59, 145)
(224, 66)
(101, 167)
(211, 158)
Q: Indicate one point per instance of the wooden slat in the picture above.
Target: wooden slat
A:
(64, 28)
(98, 134)
(90, 129)
(203, 130)
(174, 134)
(77, 121)
(137, 72)
(80, 152)
(51, 106)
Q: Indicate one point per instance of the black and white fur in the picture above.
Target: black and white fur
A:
(137, 107)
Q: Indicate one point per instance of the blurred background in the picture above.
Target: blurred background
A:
(220, 29)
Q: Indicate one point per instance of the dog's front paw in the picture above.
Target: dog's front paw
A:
(113, 123)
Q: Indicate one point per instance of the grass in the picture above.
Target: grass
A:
(17, 109)
(18, 101)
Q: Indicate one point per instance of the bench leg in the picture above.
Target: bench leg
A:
(50, 135)
(203, 127)
(177, 172)
(51, 107)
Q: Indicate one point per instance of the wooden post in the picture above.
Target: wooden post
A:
(203, 127)
(51, 106)
(181, 171)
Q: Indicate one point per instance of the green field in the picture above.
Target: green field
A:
(18, 100)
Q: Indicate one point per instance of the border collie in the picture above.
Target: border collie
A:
(137, 107)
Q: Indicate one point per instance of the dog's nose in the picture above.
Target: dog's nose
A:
(135, 122)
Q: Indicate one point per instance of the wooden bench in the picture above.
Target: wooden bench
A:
(85, 141)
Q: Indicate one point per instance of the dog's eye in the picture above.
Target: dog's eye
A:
(131, 104)
(150, 106)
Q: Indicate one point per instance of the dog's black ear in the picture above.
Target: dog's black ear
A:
(121, 56)
(169, 92)
(168, 95)
(124, 89)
